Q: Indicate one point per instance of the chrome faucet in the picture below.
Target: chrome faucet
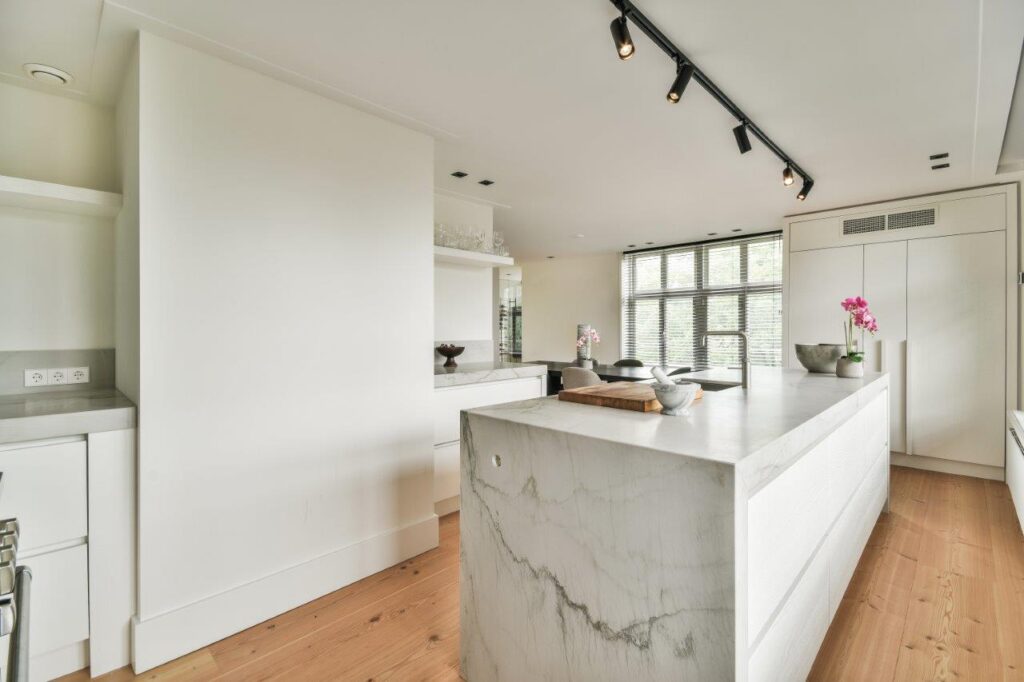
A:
(744, 356)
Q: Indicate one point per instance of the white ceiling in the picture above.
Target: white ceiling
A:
(531, 95)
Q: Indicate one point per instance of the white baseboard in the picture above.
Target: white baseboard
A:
(54, 664)
(162, 638)
(446, 507)
(947, 466)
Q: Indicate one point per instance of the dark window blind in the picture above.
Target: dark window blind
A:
(671, 296)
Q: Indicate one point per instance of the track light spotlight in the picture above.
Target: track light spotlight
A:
(787, 176)
(742, 139)
(683, 75)
(628, 13)
(620, 34)
(805, 190)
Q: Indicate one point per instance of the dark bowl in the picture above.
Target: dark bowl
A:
(451, 352)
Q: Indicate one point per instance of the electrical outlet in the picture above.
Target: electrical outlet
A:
(78, 375)
(35, 377)
(56, 376)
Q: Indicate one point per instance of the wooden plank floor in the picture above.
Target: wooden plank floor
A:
(939, 591)
(937, 595)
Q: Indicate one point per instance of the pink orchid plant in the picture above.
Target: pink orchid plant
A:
(590, 337)
(860, 318)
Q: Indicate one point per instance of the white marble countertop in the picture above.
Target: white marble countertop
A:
(724, 426)
(480, 372)
(33, 416)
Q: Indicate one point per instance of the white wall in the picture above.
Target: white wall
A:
(56, 281)
(285, 311)
(56, 270)
(463, 302)
(454, 212)
(560, 293)
(56, 139)
(464, 308)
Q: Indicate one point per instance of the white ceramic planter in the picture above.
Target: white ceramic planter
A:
(849, 369)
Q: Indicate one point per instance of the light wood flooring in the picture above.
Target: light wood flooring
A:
(937, 595)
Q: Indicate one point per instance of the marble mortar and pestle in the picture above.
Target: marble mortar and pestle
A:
(675, 398)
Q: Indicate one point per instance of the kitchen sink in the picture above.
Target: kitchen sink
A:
(714, 385)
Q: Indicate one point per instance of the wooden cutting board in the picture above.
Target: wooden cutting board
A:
(622, 395)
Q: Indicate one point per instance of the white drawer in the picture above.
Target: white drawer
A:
(853, 447)
(850, 535)
(446, 471)
(785, 522)
(60, 599)
(44, 485)
(1015, 470)
(790, 645)
(448, 402)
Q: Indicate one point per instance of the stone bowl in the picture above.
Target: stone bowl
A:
(451, 352)
(819, 358)
(676, 398)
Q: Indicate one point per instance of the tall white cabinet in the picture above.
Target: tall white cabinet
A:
(940, 274)
(956, 289)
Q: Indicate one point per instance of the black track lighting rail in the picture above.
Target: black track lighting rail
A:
(633, 14)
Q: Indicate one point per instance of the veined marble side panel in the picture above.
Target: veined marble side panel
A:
(567, 572)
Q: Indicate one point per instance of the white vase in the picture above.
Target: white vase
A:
(849, 369)
(582, 352)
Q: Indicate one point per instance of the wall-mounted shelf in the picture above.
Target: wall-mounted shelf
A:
(48, 196)
(443, 254)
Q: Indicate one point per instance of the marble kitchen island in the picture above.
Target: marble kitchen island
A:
(602, 544)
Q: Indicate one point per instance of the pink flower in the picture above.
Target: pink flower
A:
(590, 336)
(853, 304)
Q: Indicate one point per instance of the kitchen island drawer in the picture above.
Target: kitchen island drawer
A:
(44, 486)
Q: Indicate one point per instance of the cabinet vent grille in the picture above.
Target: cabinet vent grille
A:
(919, 218)
(875, 223)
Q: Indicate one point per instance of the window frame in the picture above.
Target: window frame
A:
(701, 293)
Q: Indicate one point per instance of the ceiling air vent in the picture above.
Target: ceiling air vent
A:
(919, 218)
(875, 223)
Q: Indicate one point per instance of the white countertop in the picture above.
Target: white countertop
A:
(724, 426)
(52, 414)
(480, 372)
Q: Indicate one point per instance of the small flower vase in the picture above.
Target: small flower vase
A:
(583, 351)
(848, 368)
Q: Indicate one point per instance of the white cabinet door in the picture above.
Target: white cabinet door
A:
(818, 281)
(60, 599)
(956, 295)
(885, 288)
(449, 402)
(446, 470)
(45, 487)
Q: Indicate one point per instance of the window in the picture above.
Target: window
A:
(670, 297)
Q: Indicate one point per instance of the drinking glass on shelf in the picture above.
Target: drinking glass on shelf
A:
(478, 238)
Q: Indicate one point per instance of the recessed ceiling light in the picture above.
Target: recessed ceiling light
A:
(648, 243)
(459, 174)
(579, 236)
(712, 234)
(48, 74)
(486, 183)
(630, 246)
(737, 229)
(549, 257)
